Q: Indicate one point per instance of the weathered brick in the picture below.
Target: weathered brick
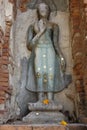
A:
(12, 127)
(79, 50)
(49, 128)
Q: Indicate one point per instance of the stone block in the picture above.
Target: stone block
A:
(85, 1)
(5, 45)
(4, 84)
(40, 106)
(5, 54)
(83, 120)
(2, 93)
(44, 117)
(3, 79)
(77, 127)
(49, 128)
(4, 74)
(12, 127)
(43, 127)
(79, 89)
(4, 61)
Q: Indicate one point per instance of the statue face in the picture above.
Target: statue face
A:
(43, 10)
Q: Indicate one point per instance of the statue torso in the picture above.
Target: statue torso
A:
(46, 39)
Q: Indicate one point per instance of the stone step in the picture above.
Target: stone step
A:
(44, 118)
(43, 127)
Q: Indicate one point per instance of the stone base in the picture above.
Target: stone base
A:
(21, 126)
(44, 113)
(40, 106)
(83, 120)
(44, 118)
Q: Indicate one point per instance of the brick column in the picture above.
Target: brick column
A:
(22, 5)
(84, 119)
(77, 51)
(6, 19)
(4, 61)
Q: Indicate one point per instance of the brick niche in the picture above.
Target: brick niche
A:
(78, 25)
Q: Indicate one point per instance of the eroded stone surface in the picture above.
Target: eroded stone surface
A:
(21, 96)
(40, 106)
(44, 117)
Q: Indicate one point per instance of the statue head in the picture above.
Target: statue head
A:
(43, 10)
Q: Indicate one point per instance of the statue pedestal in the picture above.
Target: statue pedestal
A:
(44, 113)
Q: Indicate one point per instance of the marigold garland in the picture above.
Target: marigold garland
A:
(64, 123)
(45, 101)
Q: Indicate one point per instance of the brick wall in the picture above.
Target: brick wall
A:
(4, 61)
(6, 20)
(78, 14)
(85, 54)
(22, 5)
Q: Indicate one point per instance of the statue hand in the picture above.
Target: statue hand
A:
(38, 35)
(35, 39)
(63, 64)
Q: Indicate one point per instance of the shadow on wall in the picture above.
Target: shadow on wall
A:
(24, 96)
(54, 5)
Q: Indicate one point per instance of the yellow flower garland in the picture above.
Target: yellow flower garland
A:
(64, 123)
(45, 101)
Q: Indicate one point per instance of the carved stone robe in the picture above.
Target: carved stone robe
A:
(45, 61)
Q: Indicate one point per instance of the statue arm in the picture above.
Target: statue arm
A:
(57, 49)
(38, 35)
(56, 38)
(32, 38)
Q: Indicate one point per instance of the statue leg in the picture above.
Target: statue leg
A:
(50, 95)
(39, 75)
(51, 73)
(40, 96)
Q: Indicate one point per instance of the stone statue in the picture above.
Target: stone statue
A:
(46, 69)
(46, 65)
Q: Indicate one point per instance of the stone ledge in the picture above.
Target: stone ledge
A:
(83, 120)
(43, 127)
(44, 118)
